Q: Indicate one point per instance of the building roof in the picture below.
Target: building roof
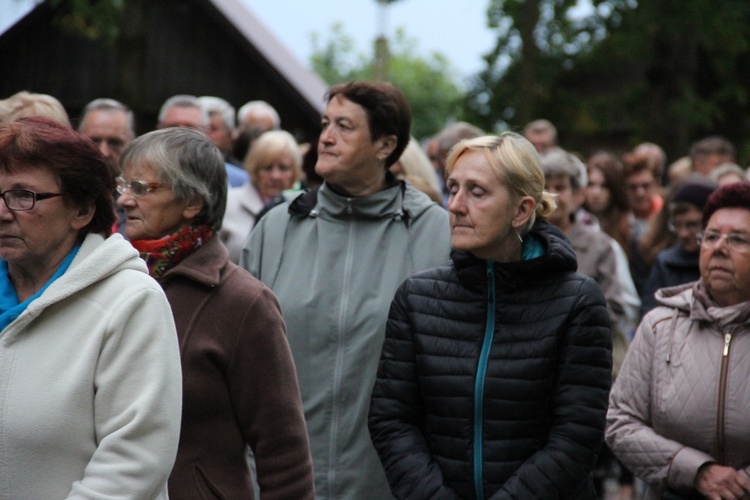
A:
(169, 47)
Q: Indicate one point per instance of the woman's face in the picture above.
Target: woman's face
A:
(36, 240)
(274, 177)
(156, 213)
(598, 196)
(481, 210)
(724, 269)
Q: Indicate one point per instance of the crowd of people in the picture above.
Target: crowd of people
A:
(214, 310)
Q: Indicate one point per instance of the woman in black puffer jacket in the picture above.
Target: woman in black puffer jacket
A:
(495, 371)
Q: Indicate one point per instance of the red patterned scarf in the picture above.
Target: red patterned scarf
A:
(163, 254)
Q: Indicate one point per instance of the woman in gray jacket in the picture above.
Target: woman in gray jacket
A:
(679, 408)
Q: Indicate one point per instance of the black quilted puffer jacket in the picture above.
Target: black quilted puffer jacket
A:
(494, 378)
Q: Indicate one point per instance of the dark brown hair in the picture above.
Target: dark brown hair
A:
(387, 110)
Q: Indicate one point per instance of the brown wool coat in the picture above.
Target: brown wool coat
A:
(239, 385)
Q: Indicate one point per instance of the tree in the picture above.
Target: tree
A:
(667, 71)
(538, 40)
(434, 97)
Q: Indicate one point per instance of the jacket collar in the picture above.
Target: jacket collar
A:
(558, 257)
(327, 203)
(203, 266)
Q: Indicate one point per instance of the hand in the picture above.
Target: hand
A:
(717, 482)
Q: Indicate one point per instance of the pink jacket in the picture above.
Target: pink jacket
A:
(682, 397)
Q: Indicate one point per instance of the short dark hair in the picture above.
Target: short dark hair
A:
(85, 179)
(735, 195)
(388, 111)
(713, 144)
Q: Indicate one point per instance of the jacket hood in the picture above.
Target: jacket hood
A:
(678, 297)
(558, 257)
(694, 299)
(399, 201)
(96, 260)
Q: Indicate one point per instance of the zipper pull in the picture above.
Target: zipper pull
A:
(727, 340)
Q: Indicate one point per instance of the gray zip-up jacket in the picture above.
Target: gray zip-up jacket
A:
(335, 264)
(682, 398)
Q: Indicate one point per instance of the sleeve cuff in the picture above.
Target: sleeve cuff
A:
(684, 467)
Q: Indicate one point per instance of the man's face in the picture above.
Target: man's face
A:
(542, 139)
(686, 226)
(108, 129)
(183, 116)
(219, 133)
(640, 188)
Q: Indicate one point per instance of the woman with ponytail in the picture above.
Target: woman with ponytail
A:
(495, 371)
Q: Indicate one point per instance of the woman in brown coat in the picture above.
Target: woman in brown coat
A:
(239, 382)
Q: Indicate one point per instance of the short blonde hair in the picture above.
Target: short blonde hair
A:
(23, 104)
(515, 162)
(267, 148)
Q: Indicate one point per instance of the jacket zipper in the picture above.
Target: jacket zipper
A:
(489, 333)
(339, 362)
(720, 414)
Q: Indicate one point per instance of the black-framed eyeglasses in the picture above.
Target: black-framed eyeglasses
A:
(23, 199)
(736, 241)
(137, 188)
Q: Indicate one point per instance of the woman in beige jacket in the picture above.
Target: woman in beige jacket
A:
(678, 415)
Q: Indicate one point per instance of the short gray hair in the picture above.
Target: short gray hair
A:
(560, 163)
(189, 162)
(183, 101)
(106, 104)
(263, 106)
(216, 105)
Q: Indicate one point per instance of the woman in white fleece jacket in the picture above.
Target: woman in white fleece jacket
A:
(90, 383)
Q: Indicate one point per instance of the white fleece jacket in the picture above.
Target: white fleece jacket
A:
(90, 383)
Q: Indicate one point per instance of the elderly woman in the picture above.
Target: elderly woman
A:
(239, 382)
(89, 362)
(495, 371)
(274, 163)
(678, 414)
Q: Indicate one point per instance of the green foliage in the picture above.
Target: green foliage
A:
(667, 71)
(92, 19)
(434, 97)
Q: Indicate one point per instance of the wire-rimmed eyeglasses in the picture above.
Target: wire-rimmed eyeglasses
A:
(23, 199)
(735, 241)
(137, 188)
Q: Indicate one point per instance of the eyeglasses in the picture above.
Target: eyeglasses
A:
(736, 241)
(137, 188)
(693, 227)
(21, 199)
